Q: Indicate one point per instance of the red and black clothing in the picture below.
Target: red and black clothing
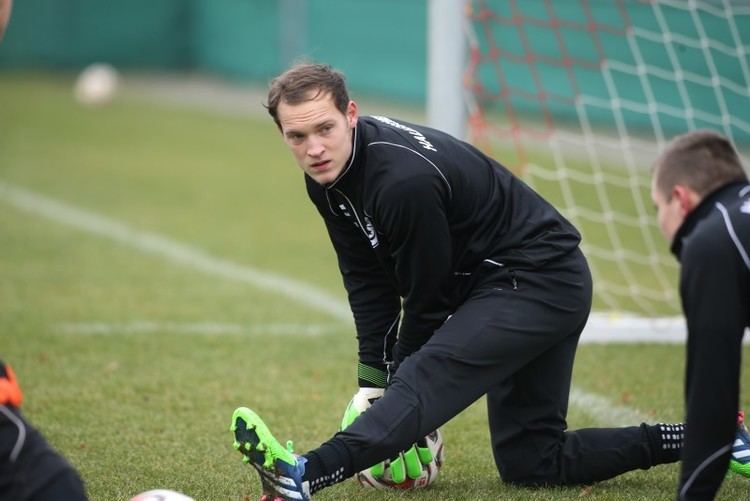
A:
(30, 469)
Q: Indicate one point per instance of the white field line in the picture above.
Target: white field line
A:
(203, 328)
(172, 250)
(598, 407)
(602, 327)
(604, 411)
(606, 328)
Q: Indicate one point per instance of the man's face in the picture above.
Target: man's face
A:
(318, 135)
(669, 211)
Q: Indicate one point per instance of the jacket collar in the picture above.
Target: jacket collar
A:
(698, 214)
(344, 175)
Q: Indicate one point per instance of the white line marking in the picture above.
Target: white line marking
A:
(605, 328)
(207, 328)
(177, 252)
(598, 407)
(604, 411)
(618, 328)
(602, 327)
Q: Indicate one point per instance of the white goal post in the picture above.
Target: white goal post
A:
(446, 63)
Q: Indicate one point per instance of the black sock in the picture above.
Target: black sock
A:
(329, 464)
(666, 442)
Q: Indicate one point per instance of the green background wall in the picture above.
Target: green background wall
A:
(381, 46)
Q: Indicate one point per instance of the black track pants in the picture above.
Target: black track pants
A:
(514, 339)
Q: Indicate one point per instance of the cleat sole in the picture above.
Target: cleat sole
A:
(267, 456)
(256, 442)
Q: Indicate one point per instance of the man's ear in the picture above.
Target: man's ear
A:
(687, 198)
(352, 114)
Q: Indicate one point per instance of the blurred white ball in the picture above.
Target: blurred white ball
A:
(96, 85)
(161, 495)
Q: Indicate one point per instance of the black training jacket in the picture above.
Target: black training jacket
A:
(713, 245)
(412, 215)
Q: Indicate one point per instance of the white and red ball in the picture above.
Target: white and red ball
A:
(161, 495)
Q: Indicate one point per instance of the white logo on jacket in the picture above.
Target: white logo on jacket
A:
(345, 210)
(745, 208)
(370, 231)
(417, 135)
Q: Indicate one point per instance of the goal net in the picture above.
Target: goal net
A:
(578, 96)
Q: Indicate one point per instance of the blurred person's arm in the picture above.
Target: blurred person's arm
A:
(5, 7)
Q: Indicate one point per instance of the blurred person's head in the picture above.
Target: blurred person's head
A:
(692, 166)
(5, 8)
(311, 107)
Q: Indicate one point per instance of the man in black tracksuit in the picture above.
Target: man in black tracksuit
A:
(463, 282)
(703, 199)
(439, 219)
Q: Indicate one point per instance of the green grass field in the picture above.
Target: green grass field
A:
(133, 359)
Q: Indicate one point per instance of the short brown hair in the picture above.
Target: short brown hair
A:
(296, 84)
(702, 160)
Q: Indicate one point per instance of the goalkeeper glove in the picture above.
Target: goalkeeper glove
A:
(408, 463)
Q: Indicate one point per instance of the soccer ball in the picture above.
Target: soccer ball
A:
(96, 85)
(429, 472)
(362, 401)
(161, 495)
